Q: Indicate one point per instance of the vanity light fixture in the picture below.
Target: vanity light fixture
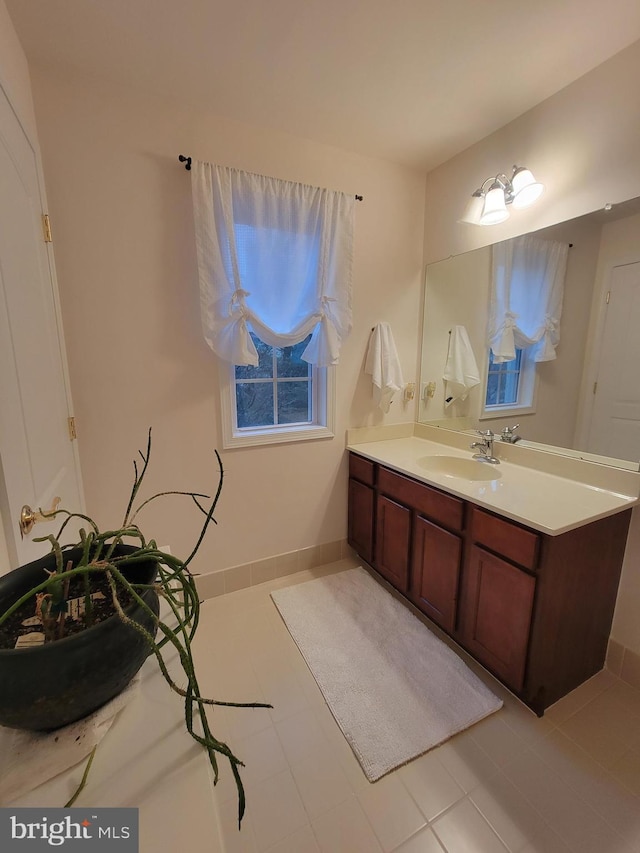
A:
(488, 204)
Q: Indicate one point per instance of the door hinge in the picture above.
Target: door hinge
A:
(595, 386)
(71, 422)
(46, 227)
(608, 296)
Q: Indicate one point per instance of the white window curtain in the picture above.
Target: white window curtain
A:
(274, 257)
(525, 304)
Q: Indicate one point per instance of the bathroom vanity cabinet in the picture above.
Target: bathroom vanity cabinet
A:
(534, 609)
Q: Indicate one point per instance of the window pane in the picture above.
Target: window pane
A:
(294, 405)
(509, 389)
(492, 390)
(265, 362)
(254, 401)
(503, 381)
(289, 362)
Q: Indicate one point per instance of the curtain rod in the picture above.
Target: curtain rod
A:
(187, 165)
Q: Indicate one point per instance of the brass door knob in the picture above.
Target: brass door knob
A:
(27, 520)
(29, 517)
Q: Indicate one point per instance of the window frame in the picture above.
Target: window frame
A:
(323, 411)
(527, 389)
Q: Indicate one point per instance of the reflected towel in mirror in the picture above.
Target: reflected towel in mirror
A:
(461, 370)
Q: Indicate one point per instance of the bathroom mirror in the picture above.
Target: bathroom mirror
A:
(581, 405)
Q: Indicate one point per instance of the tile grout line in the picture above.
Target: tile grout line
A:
(603, 770)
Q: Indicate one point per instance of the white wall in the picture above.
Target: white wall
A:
(584, 145)
(123, 236)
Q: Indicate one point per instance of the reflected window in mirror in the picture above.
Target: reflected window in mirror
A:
(510, 385)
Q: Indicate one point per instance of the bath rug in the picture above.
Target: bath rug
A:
(394, 688)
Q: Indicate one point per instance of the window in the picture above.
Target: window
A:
(510, 385)
(274, 265)
(503, 381)
(282, 399)
(278, 391)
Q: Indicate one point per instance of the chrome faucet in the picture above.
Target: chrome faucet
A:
(507, 434)
(485, 447)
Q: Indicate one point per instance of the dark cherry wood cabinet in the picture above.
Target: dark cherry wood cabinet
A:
(361, 503)
(361, 506)
(435, 572)
(392, 542)
(496, 611)
(535, 610)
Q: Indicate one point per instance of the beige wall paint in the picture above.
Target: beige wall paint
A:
(123, 235)
(582, 143)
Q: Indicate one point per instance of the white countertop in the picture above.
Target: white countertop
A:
(546, 502)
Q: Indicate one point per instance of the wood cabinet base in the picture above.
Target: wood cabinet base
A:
(535, 610)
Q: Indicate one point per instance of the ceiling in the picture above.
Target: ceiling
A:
(413, 81)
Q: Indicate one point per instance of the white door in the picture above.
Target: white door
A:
(38, 460)
(615, 419)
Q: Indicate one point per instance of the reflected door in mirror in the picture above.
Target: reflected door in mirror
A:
(615, 420)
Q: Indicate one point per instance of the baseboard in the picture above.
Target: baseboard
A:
(234, 578)
(624, 663)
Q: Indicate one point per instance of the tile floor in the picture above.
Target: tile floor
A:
(567, 782)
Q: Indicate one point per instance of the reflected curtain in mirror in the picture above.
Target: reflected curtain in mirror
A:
(527, 285)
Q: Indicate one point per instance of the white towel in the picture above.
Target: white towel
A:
(383, 365)
(461, 370)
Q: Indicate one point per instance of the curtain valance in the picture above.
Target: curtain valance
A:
(525, 303)
(274, 257)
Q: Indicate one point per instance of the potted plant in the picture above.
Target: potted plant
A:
(77, 624)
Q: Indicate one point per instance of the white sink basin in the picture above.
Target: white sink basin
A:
(460, 468)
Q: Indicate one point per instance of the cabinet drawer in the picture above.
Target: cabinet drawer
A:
(361, 469)
(435, 505)
(505, 538)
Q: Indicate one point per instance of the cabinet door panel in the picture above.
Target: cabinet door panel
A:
(496, 615)
(393, 532)
(435, 570)
(360, 534)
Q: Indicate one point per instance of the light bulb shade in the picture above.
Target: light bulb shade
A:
(495, 208)
(473, 210)
(526, 189)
